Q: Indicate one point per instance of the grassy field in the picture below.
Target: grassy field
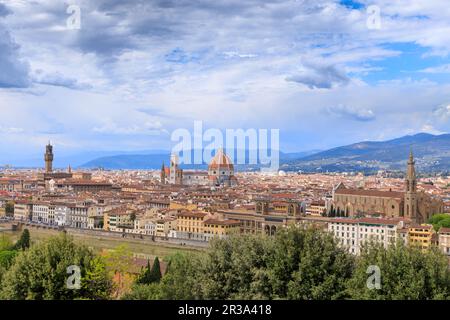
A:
(143, 250)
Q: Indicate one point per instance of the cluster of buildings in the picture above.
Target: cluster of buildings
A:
(410, 203)
(354, 233)
(220, 172)
(198, 205)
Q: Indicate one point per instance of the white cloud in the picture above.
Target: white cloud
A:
(59, 80)
(353, 113)
(14, 71)
(10, 130)
(442, 112)
(445, 68)
(320, 76)
(147, 127)
(222, 62)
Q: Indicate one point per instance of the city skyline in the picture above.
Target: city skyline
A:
(225, 157)
(133, 72)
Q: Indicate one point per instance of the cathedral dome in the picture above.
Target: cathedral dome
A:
(220, 162)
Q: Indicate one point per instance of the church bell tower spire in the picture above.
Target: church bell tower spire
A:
(410, 209)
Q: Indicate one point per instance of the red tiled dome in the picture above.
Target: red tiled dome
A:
(220, 161)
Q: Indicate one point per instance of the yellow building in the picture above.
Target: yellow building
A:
(2, 212)
(197, 225)
(22, 210)
(165, 226)
(118, 219)
(421, 236)
(316, 208)
(189, 223)
(221, 228)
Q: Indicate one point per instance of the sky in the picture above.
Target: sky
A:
(126, 74)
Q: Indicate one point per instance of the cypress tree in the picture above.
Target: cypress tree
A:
(24, 241)
(156, 271)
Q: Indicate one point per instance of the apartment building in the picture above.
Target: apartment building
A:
(23, 211)
(165, 227)
(149, 228)
(79, 215)
(316, 208)
(353, 233)
(62, 215)
(421, 236)
(95, 218)
(190, 225)
(220, 228)
(120, 219)
(444, 240)
(43, 212)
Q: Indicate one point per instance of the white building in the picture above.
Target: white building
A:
(79, 216)
(353, 233)
(150, 228)
(43, 212)
(444, 240)
(62, 215)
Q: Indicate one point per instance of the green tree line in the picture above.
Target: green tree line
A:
(296, 263)
(299, 264)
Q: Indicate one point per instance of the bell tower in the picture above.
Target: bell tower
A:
(163, 174)
(176, 174)
(411, 190)
(48, 157)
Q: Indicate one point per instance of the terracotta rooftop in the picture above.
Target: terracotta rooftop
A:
(444, 230)
(222, 222)
(371, 193)
(192, 214)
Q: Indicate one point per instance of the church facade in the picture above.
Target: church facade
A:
(220, 172)
(415, 205)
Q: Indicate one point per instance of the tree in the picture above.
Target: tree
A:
(295, 264)
(332, 212)
(405, 273)
(236, 268)
(5, 243)
(143, 292)
(144, 277)
(119, 262)
(182, 281)
(150, 275)
(308, 264)
(440, 220)
(301, 264)
(96, 283)
(9, 208)
(7, 258)
(42, 272)
(24, 241)
(155, 274)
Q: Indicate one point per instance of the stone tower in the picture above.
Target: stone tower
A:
(163, 174)
(411, 191)
(176, 174)
(48, 157)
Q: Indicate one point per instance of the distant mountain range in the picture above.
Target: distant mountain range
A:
(432, 153)
(155, 160)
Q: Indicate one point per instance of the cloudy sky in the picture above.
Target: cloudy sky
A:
(326, 73)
